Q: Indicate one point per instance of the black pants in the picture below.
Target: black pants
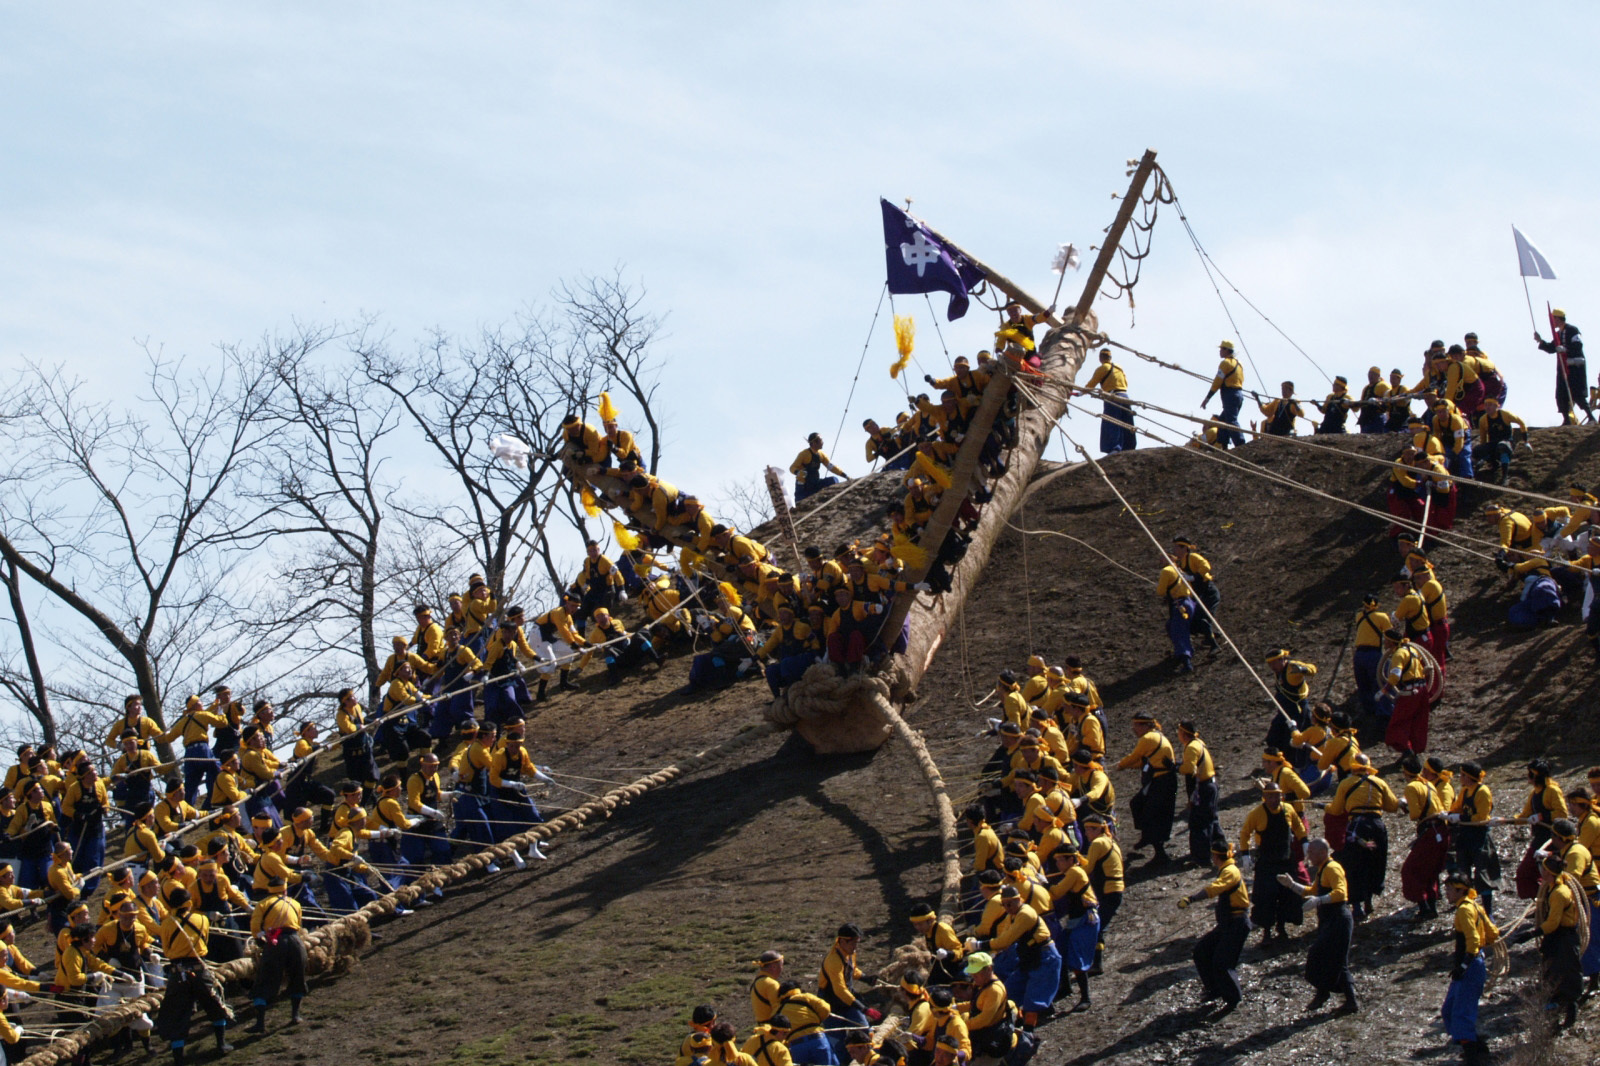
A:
(1477, 858)
(1365, 857)
(1328, 961)
(1202, 820)
(1152, 807)
(189, 985)
(1270, 903)
(1200, 621)
(1216, 956)
(1563, 967)
(284, 960)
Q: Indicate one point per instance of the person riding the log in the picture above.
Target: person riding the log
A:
(1267, 845)
(1328, 959)
(1372, 416)
(1197, 572)
(1216, 954)
(1173, 590)
(1152, 805)
(1363, 799)
(1405, 691)
(1473, 934)
(807, 469)
(1335, 409)
(1281, 413)
(1419, 874)
(1230, 383)
(1116, 425)
(1572, 375)
(1292, 692)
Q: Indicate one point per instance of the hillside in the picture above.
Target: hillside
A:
(598, 954)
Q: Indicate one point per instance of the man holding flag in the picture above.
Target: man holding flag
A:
(1572, 377)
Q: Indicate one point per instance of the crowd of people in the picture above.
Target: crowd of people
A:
(233, 842)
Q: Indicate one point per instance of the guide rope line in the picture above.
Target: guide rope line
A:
(1305, 443)
(859, 364)
(1205, 259)
(1450, 537)
(1098, 469)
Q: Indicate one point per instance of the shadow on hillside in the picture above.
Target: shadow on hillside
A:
(689, 818)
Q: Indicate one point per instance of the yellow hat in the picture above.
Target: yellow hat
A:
(1278, 656)
(1227, 346)
(1558, 313)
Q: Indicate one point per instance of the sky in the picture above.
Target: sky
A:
(191, 175)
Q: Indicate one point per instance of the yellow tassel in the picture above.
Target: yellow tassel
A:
(905, 333)
(689, 560)
(590, 507)
(914, 557)
(730, 593)
(627, 539)
(608, 410)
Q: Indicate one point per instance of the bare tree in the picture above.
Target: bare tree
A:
(28, 689)
(134, 527)
(608, 322)
(522, 380)
(322, 476)
(744, 504)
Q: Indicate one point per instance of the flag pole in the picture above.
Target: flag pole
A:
(1529, 297)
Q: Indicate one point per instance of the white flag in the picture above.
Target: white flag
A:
(1530, 261)
(510, 451)
(1066, 257)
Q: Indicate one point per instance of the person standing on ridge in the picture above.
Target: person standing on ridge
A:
(1230, 383)
(807, 469)
(1572, 375)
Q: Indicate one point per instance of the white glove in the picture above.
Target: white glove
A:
(972, 944)
(431, 812)
(1319, 901)
(942, 954)
(875, 608)
(16, 996)
(622, 597)
(1249, 863)
(994, 724)
(391, 833)
(34, 901)
(97, 981)
(1533, 819)
(520, 786)
(923, 586)
(1452, 818)
(1286, 881)
(541, 774)
(1077, 801)
(415, 821)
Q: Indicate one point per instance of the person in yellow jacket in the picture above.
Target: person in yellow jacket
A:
(1216, 954)
(1328, 960)
(1499, 432)
(190, 983)
(1199, 772)
(769, 1042)
(940, 939)
(1474, 934)
(1173, 590)
(1269, 844)
(836, 982)
(124, 941)
(1013, 706)
(275, 926)
(1116, 422)
(806, 1015)
(1363, 798)
(944, 1020)
(66, 883)
(193, 728)
(1230, 383)
(133, 718)
(1082, 724)
(1036, 964)
(1152, 805)
(143, 844)
(764, 989)
(808, 466)
(1558, 910)
(1280, 414)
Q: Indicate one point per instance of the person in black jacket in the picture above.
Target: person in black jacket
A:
(1572, 377)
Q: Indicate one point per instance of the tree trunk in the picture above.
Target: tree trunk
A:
(40, 707)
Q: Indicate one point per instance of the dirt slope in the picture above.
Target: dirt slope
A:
(598, 954)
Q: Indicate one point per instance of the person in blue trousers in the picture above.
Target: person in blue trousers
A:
(1230, 383)
(1474, 933)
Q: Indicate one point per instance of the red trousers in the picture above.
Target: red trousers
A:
(1419, 874)
(1408, 728)
(1333, 827)
(1528, 875)
(847, 648)
(1439, 641)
